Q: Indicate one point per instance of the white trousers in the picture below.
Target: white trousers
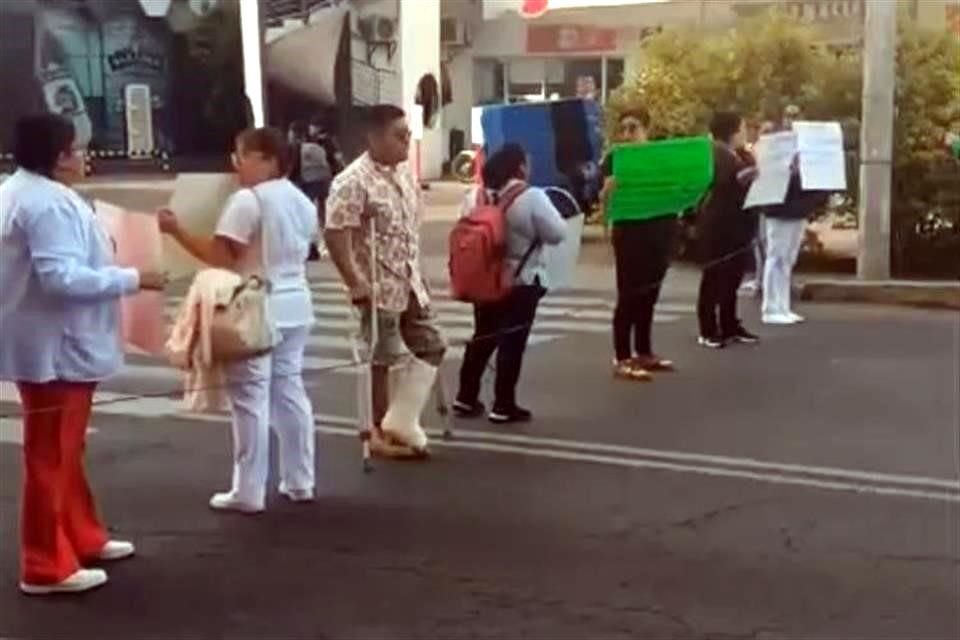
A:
(784, 239)
(264, 392)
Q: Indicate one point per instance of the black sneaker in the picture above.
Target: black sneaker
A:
(743, 336)
(711, 342)
(510, 416)
(468, 410)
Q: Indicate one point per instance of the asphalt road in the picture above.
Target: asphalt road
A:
(805, 488)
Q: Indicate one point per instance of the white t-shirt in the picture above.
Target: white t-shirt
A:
(291, 224)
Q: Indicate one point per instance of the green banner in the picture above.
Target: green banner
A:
(657, 179)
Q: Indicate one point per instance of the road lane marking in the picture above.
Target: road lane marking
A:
(816, 477)
(718, 460)
(770, 478)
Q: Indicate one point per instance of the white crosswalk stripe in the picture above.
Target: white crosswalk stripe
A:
(330, 347)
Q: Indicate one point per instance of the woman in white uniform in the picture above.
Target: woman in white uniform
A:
(268, 390)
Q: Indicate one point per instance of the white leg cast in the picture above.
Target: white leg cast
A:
(410, 390)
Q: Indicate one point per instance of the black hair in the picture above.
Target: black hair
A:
(725, 125)
(39, 140)
(271, 142)
(503, 166)
(640, 113)
(381, 116)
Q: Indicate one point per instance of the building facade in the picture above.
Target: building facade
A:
(514, 50)
(166, 77)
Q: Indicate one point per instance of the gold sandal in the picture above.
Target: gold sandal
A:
(629, 370)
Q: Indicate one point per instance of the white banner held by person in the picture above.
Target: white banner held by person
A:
(823, 165)
(198, 200)
(561, 260)
(775, 153)
(136, 243)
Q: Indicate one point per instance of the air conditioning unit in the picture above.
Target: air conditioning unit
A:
(139, 112)
(377, 28)
(454, 32)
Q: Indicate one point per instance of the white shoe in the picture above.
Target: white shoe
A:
(116, 550)
(796, 317)
(229, 502)
(778, 318)
(297, 495)
(82, 580)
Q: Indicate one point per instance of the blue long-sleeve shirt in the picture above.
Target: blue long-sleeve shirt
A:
(59, 291)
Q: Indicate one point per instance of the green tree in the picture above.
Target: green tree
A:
(926, 191)
(215, 44)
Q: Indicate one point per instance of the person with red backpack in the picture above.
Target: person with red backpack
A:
(497, 263)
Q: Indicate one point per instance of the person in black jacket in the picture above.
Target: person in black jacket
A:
(727, 235)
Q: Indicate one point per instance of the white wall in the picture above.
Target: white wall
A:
(456, 115)
(933, 13)
(419, 55)
(507, 36)
(378, 81)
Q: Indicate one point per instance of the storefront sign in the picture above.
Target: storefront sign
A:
(133, 57)
(953, 18)
(570, 39)
(825, 10)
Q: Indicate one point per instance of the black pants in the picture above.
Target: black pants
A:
(503, 327)
(643, 250)
(717, 302)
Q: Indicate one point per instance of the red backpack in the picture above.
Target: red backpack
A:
(478, 250)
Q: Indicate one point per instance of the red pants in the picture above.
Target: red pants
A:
(59, 525)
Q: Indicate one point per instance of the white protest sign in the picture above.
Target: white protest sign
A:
(561, 259)
(823, 166)
(775, 153)
(198, 200)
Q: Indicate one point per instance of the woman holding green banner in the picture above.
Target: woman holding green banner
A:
(643, 248)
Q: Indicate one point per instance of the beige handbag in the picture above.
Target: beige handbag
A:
(243, 328)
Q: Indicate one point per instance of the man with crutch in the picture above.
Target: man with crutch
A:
(372, 233)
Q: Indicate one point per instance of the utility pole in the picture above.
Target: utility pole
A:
(251, 37)
(876, 138)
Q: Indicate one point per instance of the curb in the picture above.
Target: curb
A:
(930, 295)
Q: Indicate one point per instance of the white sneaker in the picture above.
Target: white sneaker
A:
(778, 318)
(82, 580)
(297, 495)
(227, 501)
(116, 550)
(796, 317)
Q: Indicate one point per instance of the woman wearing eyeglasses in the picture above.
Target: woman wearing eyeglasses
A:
(266, 229)
(643, 249)
(59, 338)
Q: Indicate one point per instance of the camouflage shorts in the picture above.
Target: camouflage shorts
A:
(400, 334)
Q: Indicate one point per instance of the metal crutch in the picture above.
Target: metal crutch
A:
(364, 370)
(443, 405)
